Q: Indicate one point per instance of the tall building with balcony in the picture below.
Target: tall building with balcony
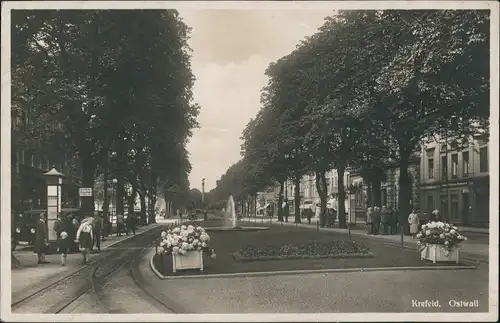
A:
(455, 180)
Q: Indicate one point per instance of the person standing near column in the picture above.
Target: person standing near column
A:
(41, 239)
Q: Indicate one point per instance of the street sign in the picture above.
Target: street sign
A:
(85, 191)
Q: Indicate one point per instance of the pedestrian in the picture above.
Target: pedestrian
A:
(180, 216)
(317, 213)
(131, 221)
(413, 221)
(119, 224)
(309, 215)
(376, 220)
(84, 237)
(393, 221)
(435, 216)
(286, 209)
(58, 225)
(384, 220)
(97, 225)
(63, 246)
(41, 239)
(369, 220)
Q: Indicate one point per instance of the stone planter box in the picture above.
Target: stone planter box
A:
(190, 260)
(436, 253)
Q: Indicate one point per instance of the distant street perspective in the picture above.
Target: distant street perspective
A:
(250, 161)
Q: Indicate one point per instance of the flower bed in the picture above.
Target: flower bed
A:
(309, 250)
(443, 234)
(183, 239)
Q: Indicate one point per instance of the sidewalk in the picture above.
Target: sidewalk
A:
(480, 249)
(30, 276)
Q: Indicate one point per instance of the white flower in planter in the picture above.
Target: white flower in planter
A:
(441, 235)
(419, 235)
(184, 245)
(453, 231)
(163, 234)
(176, 230)
(204, 237)
(185, 239)
(175, 250)
(183, 227)
(198, 248)
(424, 226)
(428, 232)
(190, 247)
(175, 242)
(195, 242)
(200, 229)
(182, 251)
(446, 243)
(203, 244)
(162, 243)
(169, 244)
(190, 227)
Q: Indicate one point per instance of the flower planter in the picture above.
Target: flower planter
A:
(436, 253)
(190, 260)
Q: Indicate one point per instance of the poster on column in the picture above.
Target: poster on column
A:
(51, 218)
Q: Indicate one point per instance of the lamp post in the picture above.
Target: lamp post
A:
(114, 195)
(54, 182)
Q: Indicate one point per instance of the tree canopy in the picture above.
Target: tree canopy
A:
(116, 94)
(366, 90)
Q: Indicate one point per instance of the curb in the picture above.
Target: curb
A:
(148, 229)
(44, 283)
(306, 271)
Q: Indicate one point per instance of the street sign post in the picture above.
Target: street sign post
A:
(85, 191)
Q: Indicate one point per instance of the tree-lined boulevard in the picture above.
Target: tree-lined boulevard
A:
(364, 93)
(108, 95)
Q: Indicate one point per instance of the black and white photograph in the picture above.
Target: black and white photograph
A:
(249, 161)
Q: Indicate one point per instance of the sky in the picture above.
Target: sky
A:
(231, 51)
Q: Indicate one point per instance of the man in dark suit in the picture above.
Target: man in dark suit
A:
(41, 239)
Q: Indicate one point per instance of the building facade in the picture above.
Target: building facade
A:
(455, 180)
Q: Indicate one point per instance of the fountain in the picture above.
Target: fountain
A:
(229, 213)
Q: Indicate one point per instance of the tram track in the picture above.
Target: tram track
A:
(88, 279)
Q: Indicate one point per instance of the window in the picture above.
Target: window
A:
(483, 160)
(444, 167)
(465, 163)
(430, 165)
(454, 165)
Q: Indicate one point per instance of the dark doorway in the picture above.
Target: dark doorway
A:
(465, 208)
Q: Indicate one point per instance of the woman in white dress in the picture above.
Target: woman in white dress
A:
(413, 220)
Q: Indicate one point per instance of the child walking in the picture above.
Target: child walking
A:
(64, 245)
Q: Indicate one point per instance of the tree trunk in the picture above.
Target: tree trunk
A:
(131, 198)
(297, 198)
(105, 206)
(280, 201)
(88, 172)
(377, 192)
(341, 201)
(369, 194)
(404, 194)
(323, 195)
(142, 197)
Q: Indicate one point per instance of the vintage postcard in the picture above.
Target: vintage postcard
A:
(249, 161)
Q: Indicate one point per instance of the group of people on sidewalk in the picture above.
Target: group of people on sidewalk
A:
(382, 220)
(415, 222)
(75, 234)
